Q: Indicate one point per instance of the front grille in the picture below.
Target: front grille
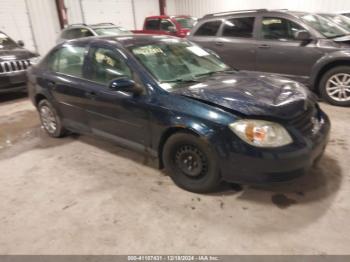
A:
(14, 66)
(304, 122)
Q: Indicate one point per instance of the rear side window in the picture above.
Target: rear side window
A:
(68, 60)
(276, 28)
(107, 65)
(208, 28)
(239, 27)
(152, 24)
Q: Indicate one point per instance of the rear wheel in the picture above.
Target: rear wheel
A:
(50, 119)
(191, 163)
(335, 86)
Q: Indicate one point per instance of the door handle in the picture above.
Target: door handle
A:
(264, 46)
(219, 43)
(90, 94)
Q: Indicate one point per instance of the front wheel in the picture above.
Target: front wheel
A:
(191, 163)
(50, 119)
(335, 86)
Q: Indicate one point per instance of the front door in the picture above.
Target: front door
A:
(280, 52)
(117, 115)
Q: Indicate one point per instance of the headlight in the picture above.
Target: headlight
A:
(261, 133)
(34, 60)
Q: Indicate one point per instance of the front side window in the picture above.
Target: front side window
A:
(239, 27)
(68, 60)
(208, 29)
(152, 24)
(276, 28)
(6, 42)
(326, 27)
(107, 65)
(165, 24)
(175, 62)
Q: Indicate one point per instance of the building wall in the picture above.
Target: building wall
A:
(127, 13)
(201, 7)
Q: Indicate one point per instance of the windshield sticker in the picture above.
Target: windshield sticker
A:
(198, 51)
(148, 50)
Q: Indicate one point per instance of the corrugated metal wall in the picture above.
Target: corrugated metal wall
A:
(120, 12)
(45, 24)
(14, 21)
(201, 7)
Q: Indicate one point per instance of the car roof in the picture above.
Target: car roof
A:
(125, 40)
(167, 16)
(92, 26)
(254, 12)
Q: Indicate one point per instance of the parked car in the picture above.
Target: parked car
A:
(298, 45)
(178, 26)
(83, 30)
(14, 61)
(169, 98)
(340, 20)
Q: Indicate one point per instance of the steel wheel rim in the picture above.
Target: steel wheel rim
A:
(48, 119)
(191, 161)
(338, 87)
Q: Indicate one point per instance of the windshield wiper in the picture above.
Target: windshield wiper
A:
(182, 80)
(228, 71)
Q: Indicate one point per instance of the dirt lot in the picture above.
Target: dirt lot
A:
(79, 195)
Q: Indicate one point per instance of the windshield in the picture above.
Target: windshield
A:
(175, 62)
(324, 26)
(340, 20)
(186, 22)
(112, 31)
(6, 42)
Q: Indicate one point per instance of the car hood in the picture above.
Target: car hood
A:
(252, 94)
(15, 54)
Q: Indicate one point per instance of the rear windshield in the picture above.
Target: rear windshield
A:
(326, 27)
(186, 22)
(112, 31)
(6, 42)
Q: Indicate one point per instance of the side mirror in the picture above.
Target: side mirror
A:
(172, 29)
(20, 43)
(125, 84)
(303, 35)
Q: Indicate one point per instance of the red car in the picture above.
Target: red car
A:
(168, 25)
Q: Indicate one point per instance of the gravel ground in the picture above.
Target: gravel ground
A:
(81, 195)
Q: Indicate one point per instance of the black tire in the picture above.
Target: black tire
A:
(327, 77)
(59, 130)
(204, 176)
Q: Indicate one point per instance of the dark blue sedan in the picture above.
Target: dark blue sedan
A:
(175, 101)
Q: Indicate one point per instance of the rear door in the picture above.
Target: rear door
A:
(280, 52)
(236, 42)
(64, 82)
(206, 33)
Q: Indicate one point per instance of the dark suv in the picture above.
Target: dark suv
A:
(14, 61)
(302, 46)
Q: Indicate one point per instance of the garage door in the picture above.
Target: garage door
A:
(119, 12)
(14, 21)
